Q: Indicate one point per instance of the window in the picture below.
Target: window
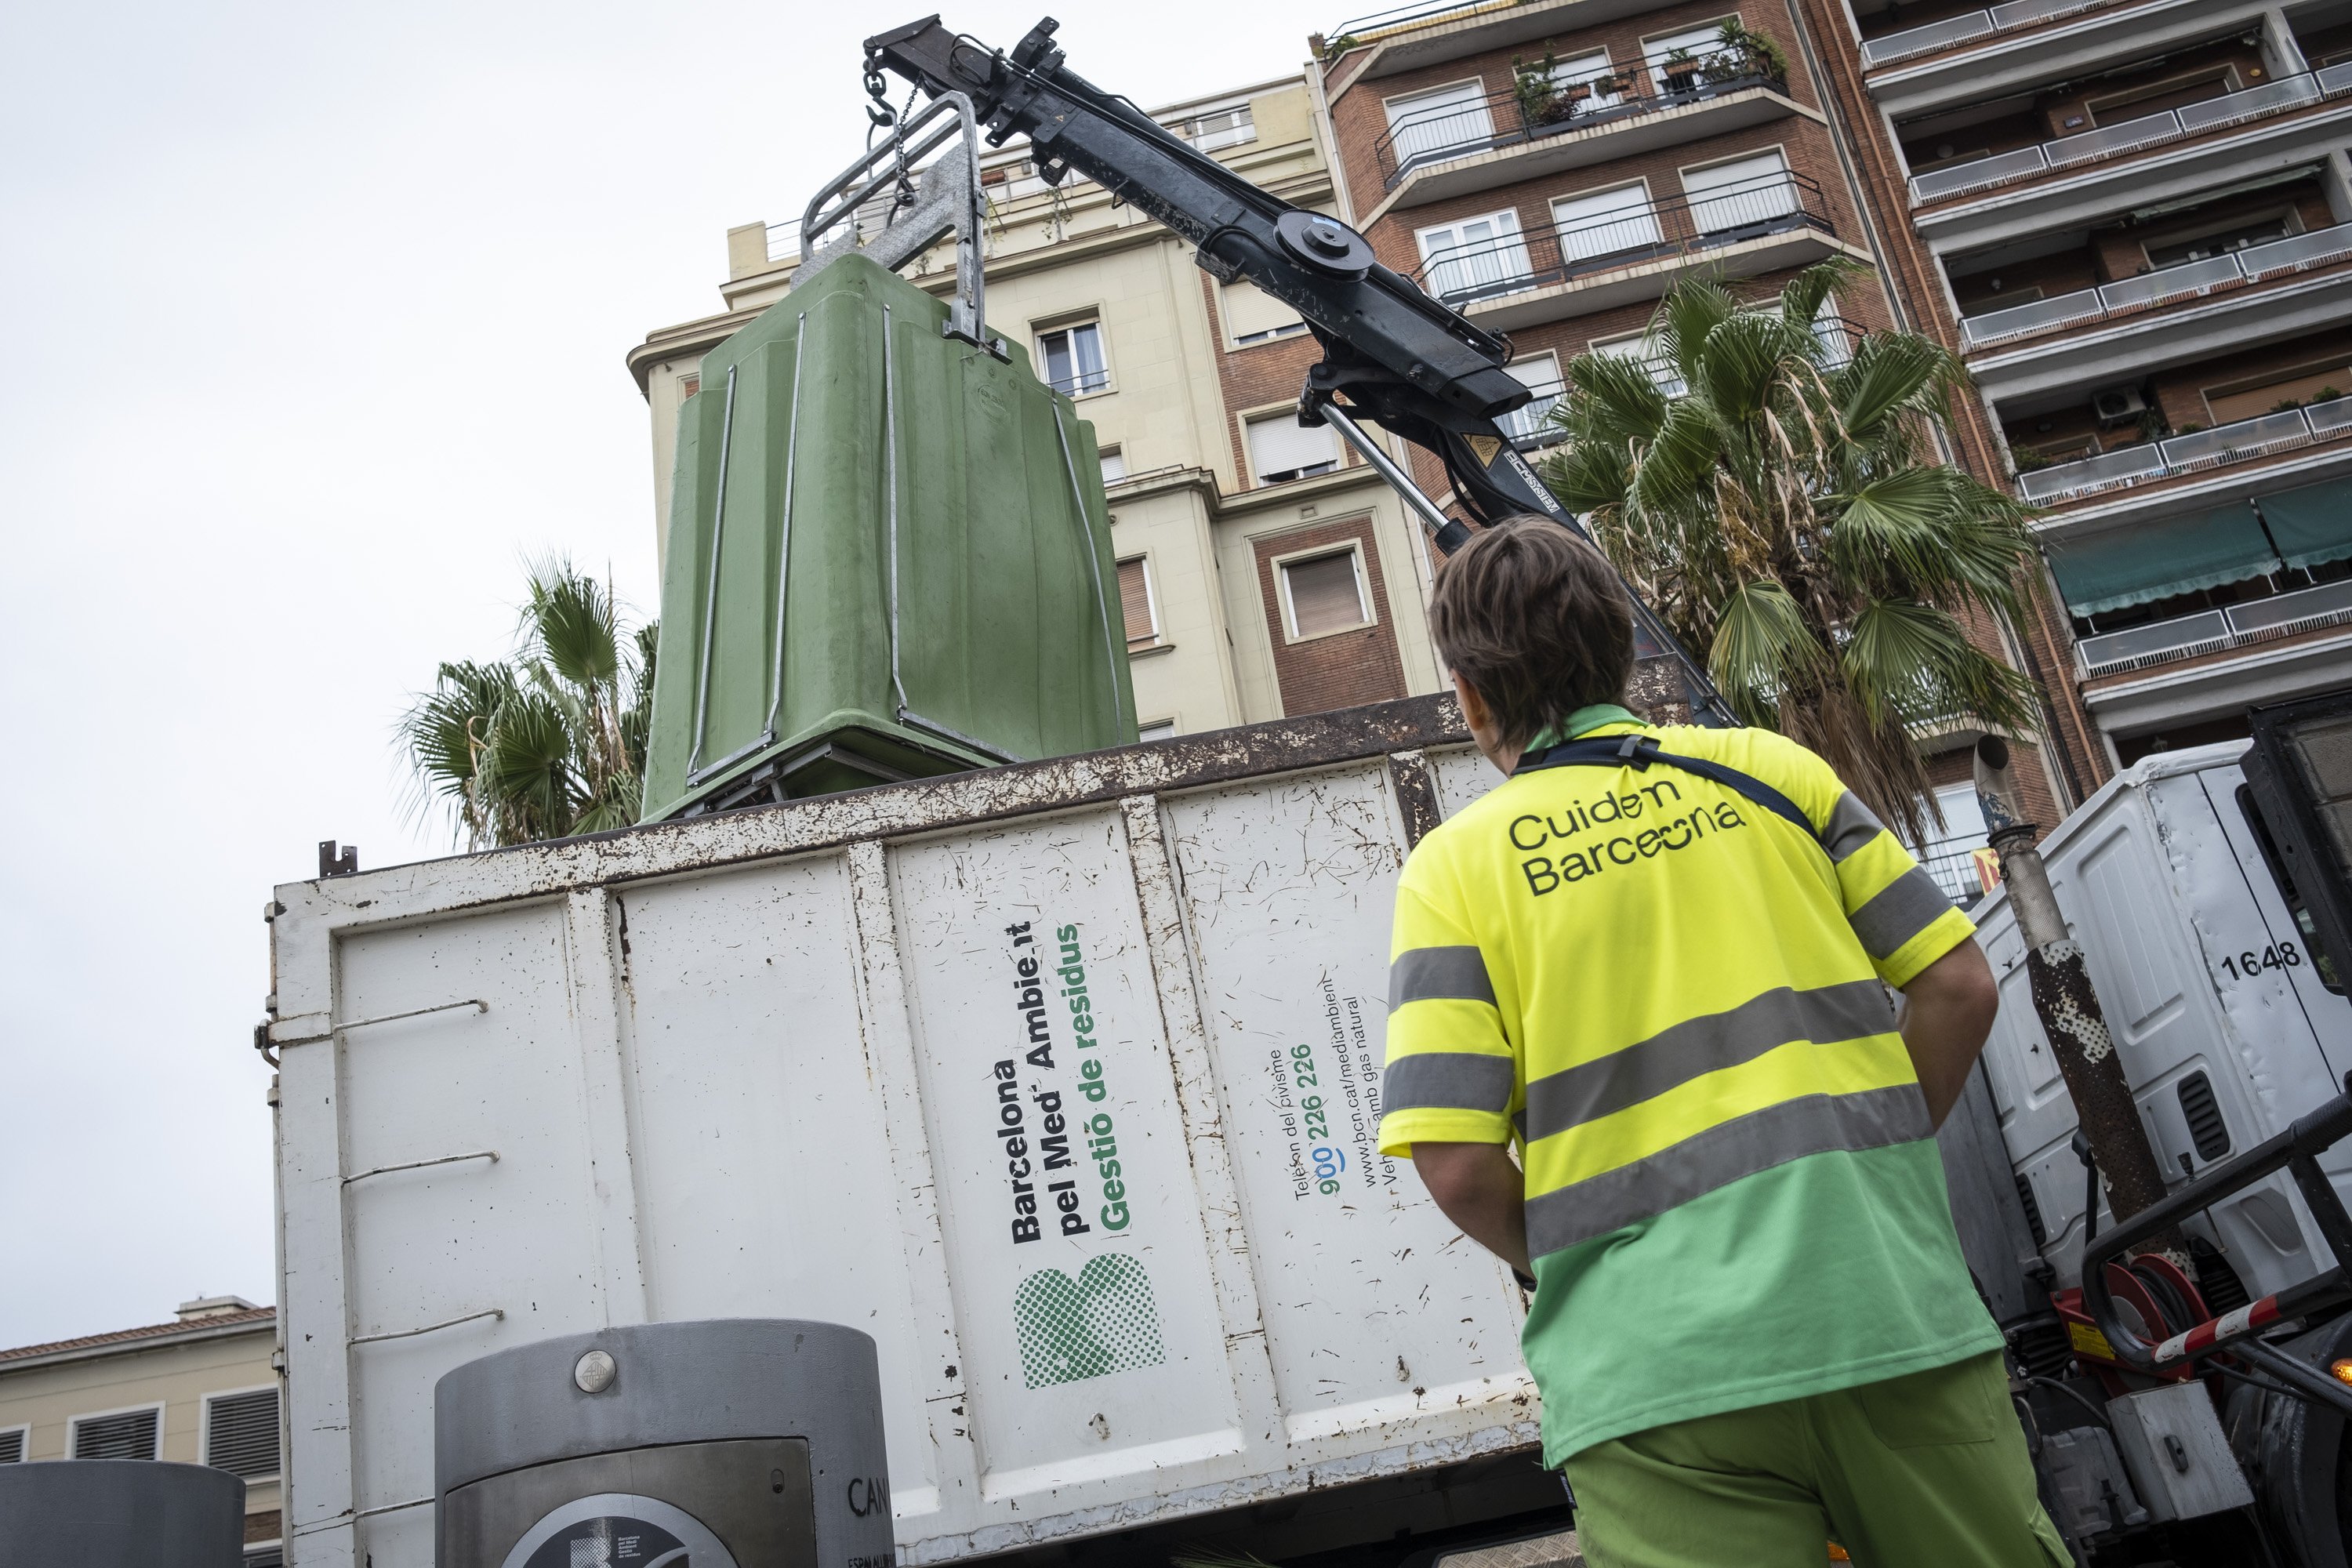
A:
(1585, 69)
(2245, 399)
(1696, 42)
(1615, 222)
(2238, 235)
(1746, 193)
(1254, 316)
(1074, 359)
(1650, 355)
(1219, 128)
(1136, 599)
(264, 1557)
(687, 385)
(1477, 258)
(117, 1435)
(241, 1433)
(1114, 465)
(1539, 374)
(12, 1444)
(1426, 126)
(1324, 593)
(1158, 730)
(1282, 449)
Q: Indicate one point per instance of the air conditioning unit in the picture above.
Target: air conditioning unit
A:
(2118, 403)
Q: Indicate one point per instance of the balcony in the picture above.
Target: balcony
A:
(2238, 442)
(1409, 38)
(1454, 148)
(1960, 867)
(2164, 286)
(1528, 426)
(2272, 99)
(1632, 252)
(2212, 631)
(1953, 31)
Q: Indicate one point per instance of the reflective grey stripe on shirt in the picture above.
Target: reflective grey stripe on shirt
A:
(1438, 974)
(1823, 1014)
(1851, 826)
(1721, 1155)
(1900, 912)
(1447, 1080)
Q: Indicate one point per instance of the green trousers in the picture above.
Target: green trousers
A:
(1923, 1471)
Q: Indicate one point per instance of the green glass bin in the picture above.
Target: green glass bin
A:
(890, 557)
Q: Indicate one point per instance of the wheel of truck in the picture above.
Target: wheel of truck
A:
(2296, 1456)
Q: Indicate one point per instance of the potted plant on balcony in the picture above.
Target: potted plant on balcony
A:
(1680, 69)
(1543, 103)
(1742, 54)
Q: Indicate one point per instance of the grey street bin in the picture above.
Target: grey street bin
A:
(122, 1513)
(738, 1442)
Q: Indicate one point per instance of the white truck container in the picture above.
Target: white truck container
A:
(2227, 1028)
(1060, 1080)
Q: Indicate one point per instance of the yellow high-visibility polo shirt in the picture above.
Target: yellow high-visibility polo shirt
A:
(1671, 998)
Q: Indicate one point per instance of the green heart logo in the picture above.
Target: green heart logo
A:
(1103, 1322)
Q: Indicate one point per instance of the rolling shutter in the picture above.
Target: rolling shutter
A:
(1741, 193)
(1325, 593)
(1135, 599)
(1253, 315)
(125, 1435)
(241, 1433)
(1605, 222)
(1283, 448)
(1430, 125)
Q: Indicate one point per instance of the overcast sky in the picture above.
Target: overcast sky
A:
(316, 318)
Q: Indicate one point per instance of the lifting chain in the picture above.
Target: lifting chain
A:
(882, 116)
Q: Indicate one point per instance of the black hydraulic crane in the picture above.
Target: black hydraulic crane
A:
(1399, 358)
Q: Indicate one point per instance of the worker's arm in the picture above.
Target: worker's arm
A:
(1947, 1010)
(1479, 1187)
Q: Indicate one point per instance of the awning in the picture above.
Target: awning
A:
(2311, 524)
(2150, 561)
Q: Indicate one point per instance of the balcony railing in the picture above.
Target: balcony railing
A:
(2237, 442)
(2211, 631)
(1478, 270)
(1529, 425)
(1463, 127)
(1952, 862)
(1360, 29)
(2189, 280)
(1955, 30)
(2147, 131)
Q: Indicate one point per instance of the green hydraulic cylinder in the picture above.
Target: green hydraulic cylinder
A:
(890, 557)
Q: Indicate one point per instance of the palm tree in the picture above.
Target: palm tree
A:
(551, 742)
(1786, 515)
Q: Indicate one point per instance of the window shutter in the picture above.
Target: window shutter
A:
(1324, 593)
(12, 1445)
(1280, 444)
(1252, 314)
(1135, 598)
(1742, 192)
(1114, 464)
(241, 1433)
(1605, 222)
(127, 1435)
(1428, 125)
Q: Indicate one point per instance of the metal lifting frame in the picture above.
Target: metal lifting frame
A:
(1402, 360)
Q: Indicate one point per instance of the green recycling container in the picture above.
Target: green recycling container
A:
(890, 557)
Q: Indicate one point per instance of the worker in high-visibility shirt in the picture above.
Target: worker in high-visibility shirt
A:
(1657, 959)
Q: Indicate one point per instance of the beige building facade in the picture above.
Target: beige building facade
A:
(1264, 569)
(201, 1389)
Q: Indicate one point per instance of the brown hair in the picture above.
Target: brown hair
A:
(1535, 621)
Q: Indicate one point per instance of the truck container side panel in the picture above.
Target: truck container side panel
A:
(475, 1236)
(1072, 1223)
(1375, 1306)
(1463, 775)
(312, 1300)
(2287, 1002)
(761, 1151)
(2152, 877)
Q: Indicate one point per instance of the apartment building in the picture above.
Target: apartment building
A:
(1263, 568)
(2134, 219)
(201, 1389)
(1552, 168)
